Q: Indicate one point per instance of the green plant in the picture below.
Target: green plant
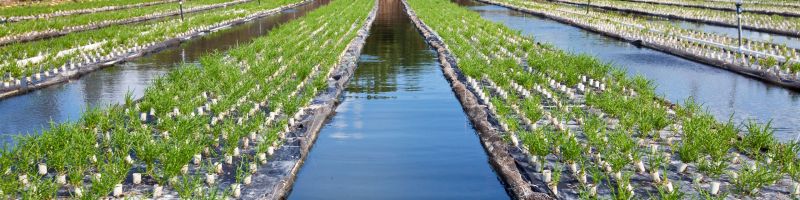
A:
(751, 178)
(758, 139)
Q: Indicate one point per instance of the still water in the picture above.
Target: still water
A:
(399, 133)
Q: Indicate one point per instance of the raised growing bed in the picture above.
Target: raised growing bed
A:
(119, 49)
(771, 63)
(581, 129)
(203, 132)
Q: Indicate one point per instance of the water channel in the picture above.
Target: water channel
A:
(724, 93)
(30, 113)
(399, 133)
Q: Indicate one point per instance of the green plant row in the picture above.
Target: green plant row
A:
(21, 13)
(775, 22)
(231, 111)
(46, 8)
(118, 38)
(579, 118)
(77, 21)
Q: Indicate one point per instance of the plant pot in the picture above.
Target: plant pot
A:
(655, 176)
(270, 151)
(669, 187)
(236, 152)
(97, 176)
(137, 178)
(640, 166)
(247, 179)
(197, 159)
(218, 168)
(262, 157)
(573, 167)
(554, 188)
(23, 179)
(185, 169)
(128, 159)
(157, 190)
(77, 192)
(714, 188)
(593, 190)
(117, 190)
(236, 190)
(582, 178)
(42, 169)
(682, 167)
(61, 179)
(210, 179)
(93, 159)
(253, 168)
(618, 175)
(228, 159)
(697, 177)
(546, 176)
(795, 189)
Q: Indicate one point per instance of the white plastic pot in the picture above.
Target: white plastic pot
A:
(253, 167)
(262, 157)
(185, 169)
(218, 168)
(547, 176)
(682, 167)
(714, 188)
(228, 159)
(655, 176)
(210, 179)
(137, 178)
(157, 190)
(640, 166)
(42, 169)
(117, 190)
(197, 159)
(237, 190)
(248, 179)
(23, 179)
(78, 192)
(573, 167)
(61, 179)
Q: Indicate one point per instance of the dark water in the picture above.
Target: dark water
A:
(399, 133)
(723, 92)
(31, 112)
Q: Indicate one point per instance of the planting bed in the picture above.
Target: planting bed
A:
(21, 13)
(207, 130)
(773, 63)
(80, 53)
(766, 23)
(46, 28)
(578, 128)
(754, 7)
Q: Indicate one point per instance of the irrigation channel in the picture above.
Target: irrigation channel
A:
(30, 112)
(724, 93)
(399, 133)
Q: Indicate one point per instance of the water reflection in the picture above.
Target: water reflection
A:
(399, 133)
(723, 92)
(31, 112)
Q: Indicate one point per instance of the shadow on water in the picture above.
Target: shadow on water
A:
(399, 133)
(31, 112)
(724, 93)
